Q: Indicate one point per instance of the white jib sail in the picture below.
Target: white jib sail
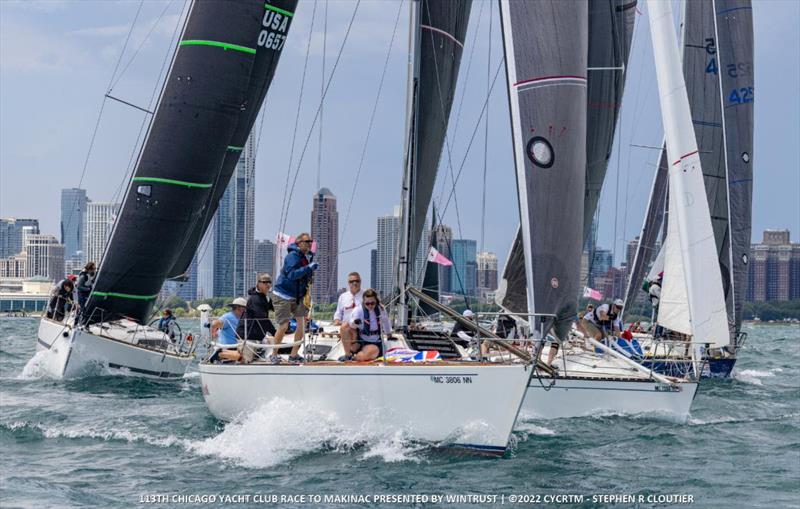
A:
(673, 308)
(706, 300)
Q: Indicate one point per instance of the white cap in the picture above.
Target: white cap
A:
(619, 303)
(468, 313)
(239, 301)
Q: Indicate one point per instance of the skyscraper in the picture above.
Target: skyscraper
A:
(73, 209)
(774, 268)
(234, 229)
(187, 290)
(444, 237)
(464, 277)
(11, 233)
(264, 257)
(373, 268)
(45, 257)
(386, 256)
(487, 272)
(325, 230)
(97, 225)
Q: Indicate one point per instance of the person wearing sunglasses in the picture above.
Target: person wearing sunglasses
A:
(371, 321)
(290, 291)
(348, 301)
(255, 324)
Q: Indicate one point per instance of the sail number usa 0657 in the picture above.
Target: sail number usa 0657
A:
(273, 36)
(451, 379)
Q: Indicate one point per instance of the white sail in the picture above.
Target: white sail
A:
(689, 206)
(658, 265)
(673, 308)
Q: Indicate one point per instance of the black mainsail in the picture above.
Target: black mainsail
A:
(610, 31)
(438, 28)
(546, 66)
(277, 17)
(219, 74)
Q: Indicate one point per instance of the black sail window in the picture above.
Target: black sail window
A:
(144, 190)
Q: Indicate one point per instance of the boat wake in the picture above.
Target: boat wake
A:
(754, 376)
(34, 369)
(106, 434)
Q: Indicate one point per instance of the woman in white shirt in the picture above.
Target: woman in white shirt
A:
(371, 321)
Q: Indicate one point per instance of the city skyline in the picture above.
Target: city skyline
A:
(27, 65)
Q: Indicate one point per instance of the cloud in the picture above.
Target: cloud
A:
(107, 31)
(28, 49)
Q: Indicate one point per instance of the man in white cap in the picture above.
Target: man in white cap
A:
(615, 317)
(458, 328)
(224, 327)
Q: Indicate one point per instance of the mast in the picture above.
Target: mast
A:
(404, 254)
(689, 212)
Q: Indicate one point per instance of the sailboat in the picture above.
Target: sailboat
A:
(434, 402)
(557, 175)
(717, 65)
(219, 75)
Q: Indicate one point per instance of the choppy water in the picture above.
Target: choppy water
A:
(108, 441)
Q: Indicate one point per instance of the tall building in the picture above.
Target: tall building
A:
(612, 283)
(45, 257)
(464, 276)
(487, 272)
(11, 233)
(444, 237)
(630, 251)
(234, 229)
(325, 230)
(265, 257)
(599, 265)
(187, 290)
(14, 267)
(774, 268)
(386, 256)
(373, 268)
(97, 225)
(205, 263)
(73, 209)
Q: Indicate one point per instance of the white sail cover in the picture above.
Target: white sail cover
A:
(689, 212)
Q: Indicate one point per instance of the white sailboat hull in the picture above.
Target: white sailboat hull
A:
(77, 352)
(466, 405)
(579, 397)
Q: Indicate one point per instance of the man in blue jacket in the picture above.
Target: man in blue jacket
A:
(291, 289)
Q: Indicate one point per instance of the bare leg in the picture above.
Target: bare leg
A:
(347, 335)
(298, 333)
(367, 353)
(551, 355)
(278, 339)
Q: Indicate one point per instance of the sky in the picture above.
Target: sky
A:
(57, 59)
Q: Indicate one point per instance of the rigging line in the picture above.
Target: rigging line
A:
(153, 95)
(322, 91)
(486, 135)
(102, 107)
(365, 244)
(297, 115)
(316, 115)
(463, 92)
(371, 121)
(474, 132)
(141, 45)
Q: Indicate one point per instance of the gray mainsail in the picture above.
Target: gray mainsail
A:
(216, 81)
(546, 65)
(610, 32)
(735, 52)
(512, 293)
(440, 29)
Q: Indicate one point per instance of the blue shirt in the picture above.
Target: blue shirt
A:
(227, 334)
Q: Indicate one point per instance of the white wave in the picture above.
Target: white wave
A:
(392, 449)
(191, 375)
(700, 422)
(754, 376)
(276, 432)
(95, 432)
(34, 368)
(533, 429)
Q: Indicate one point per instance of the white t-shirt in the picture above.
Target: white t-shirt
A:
(385, 325)
(347, 303)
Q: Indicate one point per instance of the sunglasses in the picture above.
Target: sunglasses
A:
(354, 281)
(370, 303)
(308, 241)
(266, 281)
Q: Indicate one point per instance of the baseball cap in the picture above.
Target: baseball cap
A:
(619, 303)
(238, 301)
(468, 313)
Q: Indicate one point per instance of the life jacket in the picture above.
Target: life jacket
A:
(365, 330)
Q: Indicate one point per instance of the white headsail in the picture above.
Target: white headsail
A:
(689, 210)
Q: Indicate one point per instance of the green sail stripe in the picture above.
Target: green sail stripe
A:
(125, 295)
(223, 45)
(235, 149)
(278, 10)
(173, 182)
